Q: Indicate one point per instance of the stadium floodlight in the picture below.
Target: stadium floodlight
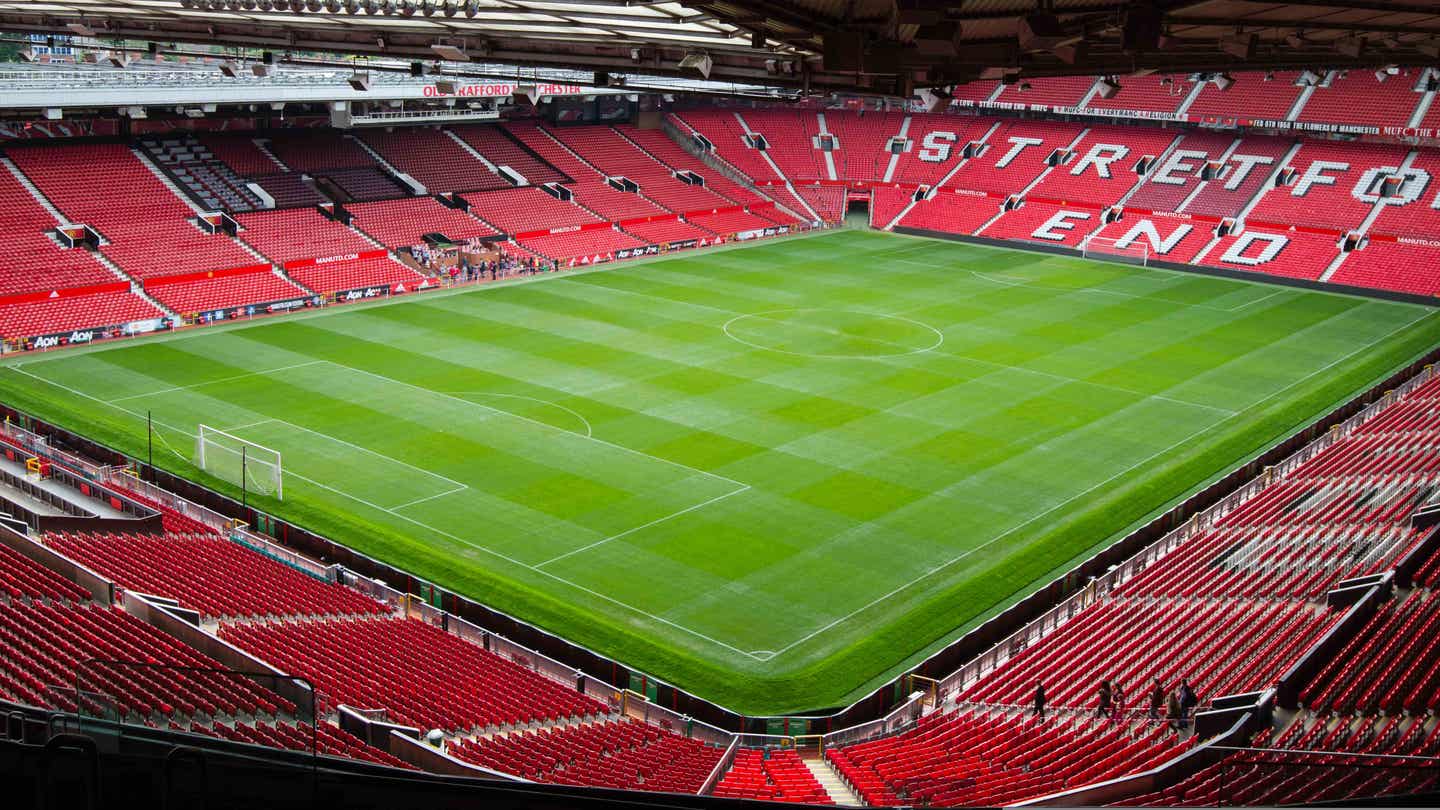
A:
(243, 463)
(699, 62)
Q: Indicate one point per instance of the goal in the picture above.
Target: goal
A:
(1104, 247)
(241, 462)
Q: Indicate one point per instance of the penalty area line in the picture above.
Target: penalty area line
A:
(463, 541)
(174, 389)
(630, 531)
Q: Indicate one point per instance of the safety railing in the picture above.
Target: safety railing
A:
(39, 446)
(1102, 585)
(1200, 523)
(1270, 776)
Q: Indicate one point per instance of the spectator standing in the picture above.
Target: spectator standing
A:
(1039, 699)
(1157, 699)
(1105, 700)
(1188, 699)
(1172, 711)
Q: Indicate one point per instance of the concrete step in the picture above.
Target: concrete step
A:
(180, 193)
(835, 787)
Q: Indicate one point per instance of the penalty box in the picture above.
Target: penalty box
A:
(527, 488)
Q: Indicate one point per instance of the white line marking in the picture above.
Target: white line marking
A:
(377, 454)
(755, 655)
(573, 552)
(589, 431)
(765, 316)
(460, 488)
(1008, 281)
(1239, 307)
(427, 527)
(1013, 529)
(588, 285)
(246, 425)
(173, 389)
(545, 425)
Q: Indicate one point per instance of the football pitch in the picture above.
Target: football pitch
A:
(773, 475)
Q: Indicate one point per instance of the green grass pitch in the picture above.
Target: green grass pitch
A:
(773, 475)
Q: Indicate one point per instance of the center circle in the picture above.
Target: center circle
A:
(833, 333)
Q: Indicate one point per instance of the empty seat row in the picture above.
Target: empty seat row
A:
(454, 685)
(207, 572)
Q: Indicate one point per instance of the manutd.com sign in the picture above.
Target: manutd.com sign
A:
(504, 89)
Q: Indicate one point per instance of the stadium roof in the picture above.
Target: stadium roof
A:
(881, 46)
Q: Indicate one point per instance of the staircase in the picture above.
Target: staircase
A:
(260, 144)
(1033, 183)
(835, 787)
(281, 274)
(828, 155)
(260, 258)
(34, 190)
(939, 184)
(470, 150)
(136, 286)
(775, 167)
(165, 180)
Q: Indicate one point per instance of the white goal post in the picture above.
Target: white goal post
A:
(1138, 251)
(241, 462)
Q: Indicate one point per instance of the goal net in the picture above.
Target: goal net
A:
(1104, 247)
(242, 463)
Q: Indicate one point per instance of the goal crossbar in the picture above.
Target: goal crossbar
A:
(1137, 250)
(239, 461)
